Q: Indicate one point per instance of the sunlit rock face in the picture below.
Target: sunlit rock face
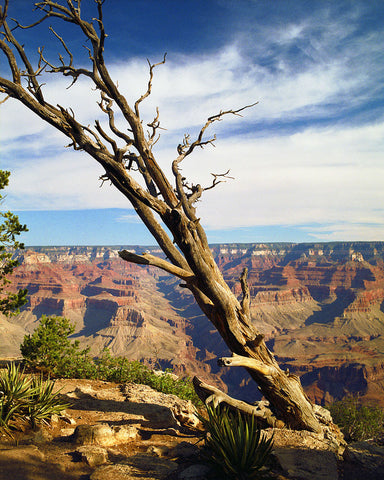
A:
(320, 307)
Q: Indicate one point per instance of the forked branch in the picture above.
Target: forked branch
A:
(152, 66)
(210, 394)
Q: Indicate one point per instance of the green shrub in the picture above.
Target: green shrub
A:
(235, 446)
(26, 399)
(121, 370)
(357, 421)
(49, 349)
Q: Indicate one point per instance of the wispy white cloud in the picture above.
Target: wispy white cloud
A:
(128, 218)
(325, 168)
(336, 232)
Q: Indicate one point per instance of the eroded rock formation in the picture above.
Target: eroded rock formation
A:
(319, 306)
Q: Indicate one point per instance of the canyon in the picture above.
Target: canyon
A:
(319, 306)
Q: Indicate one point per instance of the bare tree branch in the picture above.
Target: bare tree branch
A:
(167, 211)
(152, 66)
(148, 259)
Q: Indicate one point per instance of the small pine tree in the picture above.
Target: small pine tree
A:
(49, 347)
(10, 228)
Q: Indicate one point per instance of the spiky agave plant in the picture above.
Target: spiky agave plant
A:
(43, 401)
(14, 396)
(26, 399)
(235, 445)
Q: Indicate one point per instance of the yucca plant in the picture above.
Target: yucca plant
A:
(14, 395)
(235, 445)
(25, 399)
(43, 402)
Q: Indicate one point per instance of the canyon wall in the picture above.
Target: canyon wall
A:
(320, 307)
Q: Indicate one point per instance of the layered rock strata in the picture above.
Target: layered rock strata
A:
(320, 307)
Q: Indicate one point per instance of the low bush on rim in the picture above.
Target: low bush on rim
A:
(357, 421)
(49, 349)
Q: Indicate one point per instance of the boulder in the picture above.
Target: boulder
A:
(93, 455)
(194, 472)
(103, 434)
(159, 409)
(365, 460)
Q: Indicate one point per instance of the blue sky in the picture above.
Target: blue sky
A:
(307, 160)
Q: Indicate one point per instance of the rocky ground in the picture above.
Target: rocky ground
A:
(123, 432)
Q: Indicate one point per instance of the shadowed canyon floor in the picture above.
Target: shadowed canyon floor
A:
(320, 307)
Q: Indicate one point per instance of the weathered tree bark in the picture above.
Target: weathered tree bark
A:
(153, 195)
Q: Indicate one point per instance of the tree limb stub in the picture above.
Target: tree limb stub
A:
(209, 394)
(246, 300)
(247, 362)
(148, 259)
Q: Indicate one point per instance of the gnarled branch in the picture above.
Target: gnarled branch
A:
(250, 363)
(245, 301)
(152, 66)
(210, 394)
(148, 259)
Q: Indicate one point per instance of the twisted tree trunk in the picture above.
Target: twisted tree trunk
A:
(124, 156)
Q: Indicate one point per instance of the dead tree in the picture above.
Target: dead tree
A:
(125, 154)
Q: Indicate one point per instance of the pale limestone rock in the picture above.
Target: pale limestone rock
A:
(185, 450)
(67, 419)
(67, 432)
(93, 455)
(103, 434)
(112, 472)
(144, 466)
(323, 414)
(125, 433)
(160, 410)
(306, 455)
(307, 464)
(40, 436)
(367, 455)
(158, 450)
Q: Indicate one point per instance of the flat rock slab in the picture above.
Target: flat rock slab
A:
(364, 461)
(104, 435)
(159, 409)
(27, 463)
(306, 464)
(93, 455)
(143, 466)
